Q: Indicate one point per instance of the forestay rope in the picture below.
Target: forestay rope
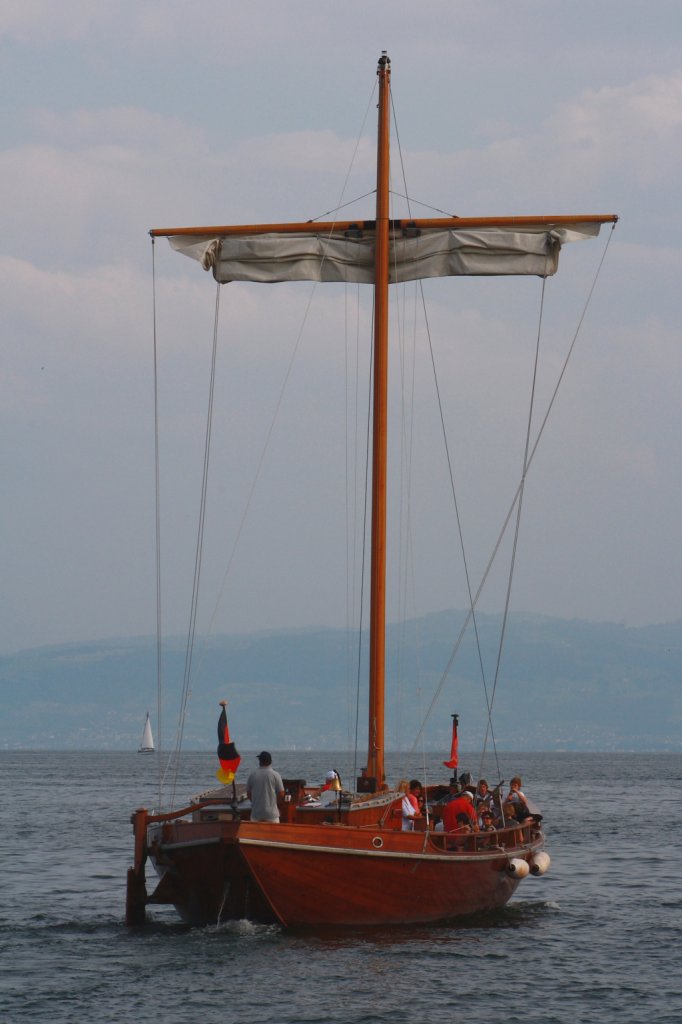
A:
(515, 498)
(198, 557)
(174, 755)
(512, 563)
(448, 459)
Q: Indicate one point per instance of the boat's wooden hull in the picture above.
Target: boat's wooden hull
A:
(203, 875)
(364, 877)
(338, 875)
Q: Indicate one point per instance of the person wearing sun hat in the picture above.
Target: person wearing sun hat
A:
(332, 780)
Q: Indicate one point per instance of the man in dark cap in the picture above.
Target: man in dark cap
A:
(263, 787)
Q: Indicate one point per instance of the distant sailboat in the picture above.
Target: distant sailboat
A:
(147, 741)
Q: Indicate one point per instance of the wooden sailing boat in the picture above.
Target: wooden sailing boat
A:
(147, 742)
(213, 862)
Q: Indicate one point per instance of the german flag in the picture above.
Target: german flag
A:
(227, 752)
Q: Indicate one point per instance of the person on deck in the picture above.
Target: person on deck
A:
(463, 824)
(487, 821)
(454, 788)
(410, 805)
(516, 797)
(331, 790)
(515, 792)
(332, 780)
(462, 827)
(462, 804)
(263, 787)
(483, 795)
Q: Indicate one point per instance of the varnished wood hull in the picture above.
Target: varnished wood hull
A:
(203, 875)
(331, 875)
(351, 877)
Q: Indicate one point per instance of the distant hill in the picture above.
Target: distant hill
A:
(563, 685)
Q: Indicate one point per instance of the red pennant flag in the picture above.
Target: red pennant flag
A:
(453, 762)
(227, 752)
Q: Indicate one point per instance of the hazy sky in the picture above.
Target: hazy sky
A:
(122, 116)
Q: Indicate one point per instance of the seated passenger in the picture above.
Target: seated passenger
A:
(487, 820)
(410, 806)
(423, 807)
(496, 801)
(463, 827)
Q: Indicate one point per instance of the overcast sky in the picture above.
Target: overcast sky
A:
(122, 116)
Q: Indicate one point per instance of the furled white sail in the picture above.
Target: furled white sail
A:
(482, 251)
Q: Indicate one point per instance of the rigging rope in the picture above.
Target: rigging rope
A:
(467, 574)
(512, 564)
(406, 570)
(339, 206)
(350, 202)
(512, 506)
(283, 389)
(200, 533)
(449, 463)
(352, 464)
(403, 488)
(411, 199)
(198, 557)
(363, 560)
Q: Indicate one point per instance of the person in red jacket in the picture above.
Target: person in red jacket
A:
(462, 804)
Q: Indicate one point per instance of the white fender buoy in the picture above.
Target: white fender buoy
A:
(539, 863)
(517, 868)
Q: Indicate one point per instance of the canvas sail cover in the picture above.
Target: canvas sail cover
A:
(483, 251)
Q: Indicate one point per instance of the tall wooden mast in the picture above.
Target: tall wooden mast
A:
(209, 252)
(377, 629)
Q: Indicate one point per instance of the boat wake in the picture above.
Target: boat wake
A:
(241, 929)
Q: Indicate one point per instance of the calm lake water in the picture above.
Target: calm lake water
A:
(595, 939)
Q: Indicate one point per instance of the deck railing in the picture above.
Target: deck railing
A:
(475, 842)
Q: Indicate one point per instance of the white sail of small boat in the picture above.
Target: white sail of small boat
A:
(147, 741)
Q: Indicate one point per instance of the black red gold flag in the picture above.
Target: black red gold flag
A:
(227, 752)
